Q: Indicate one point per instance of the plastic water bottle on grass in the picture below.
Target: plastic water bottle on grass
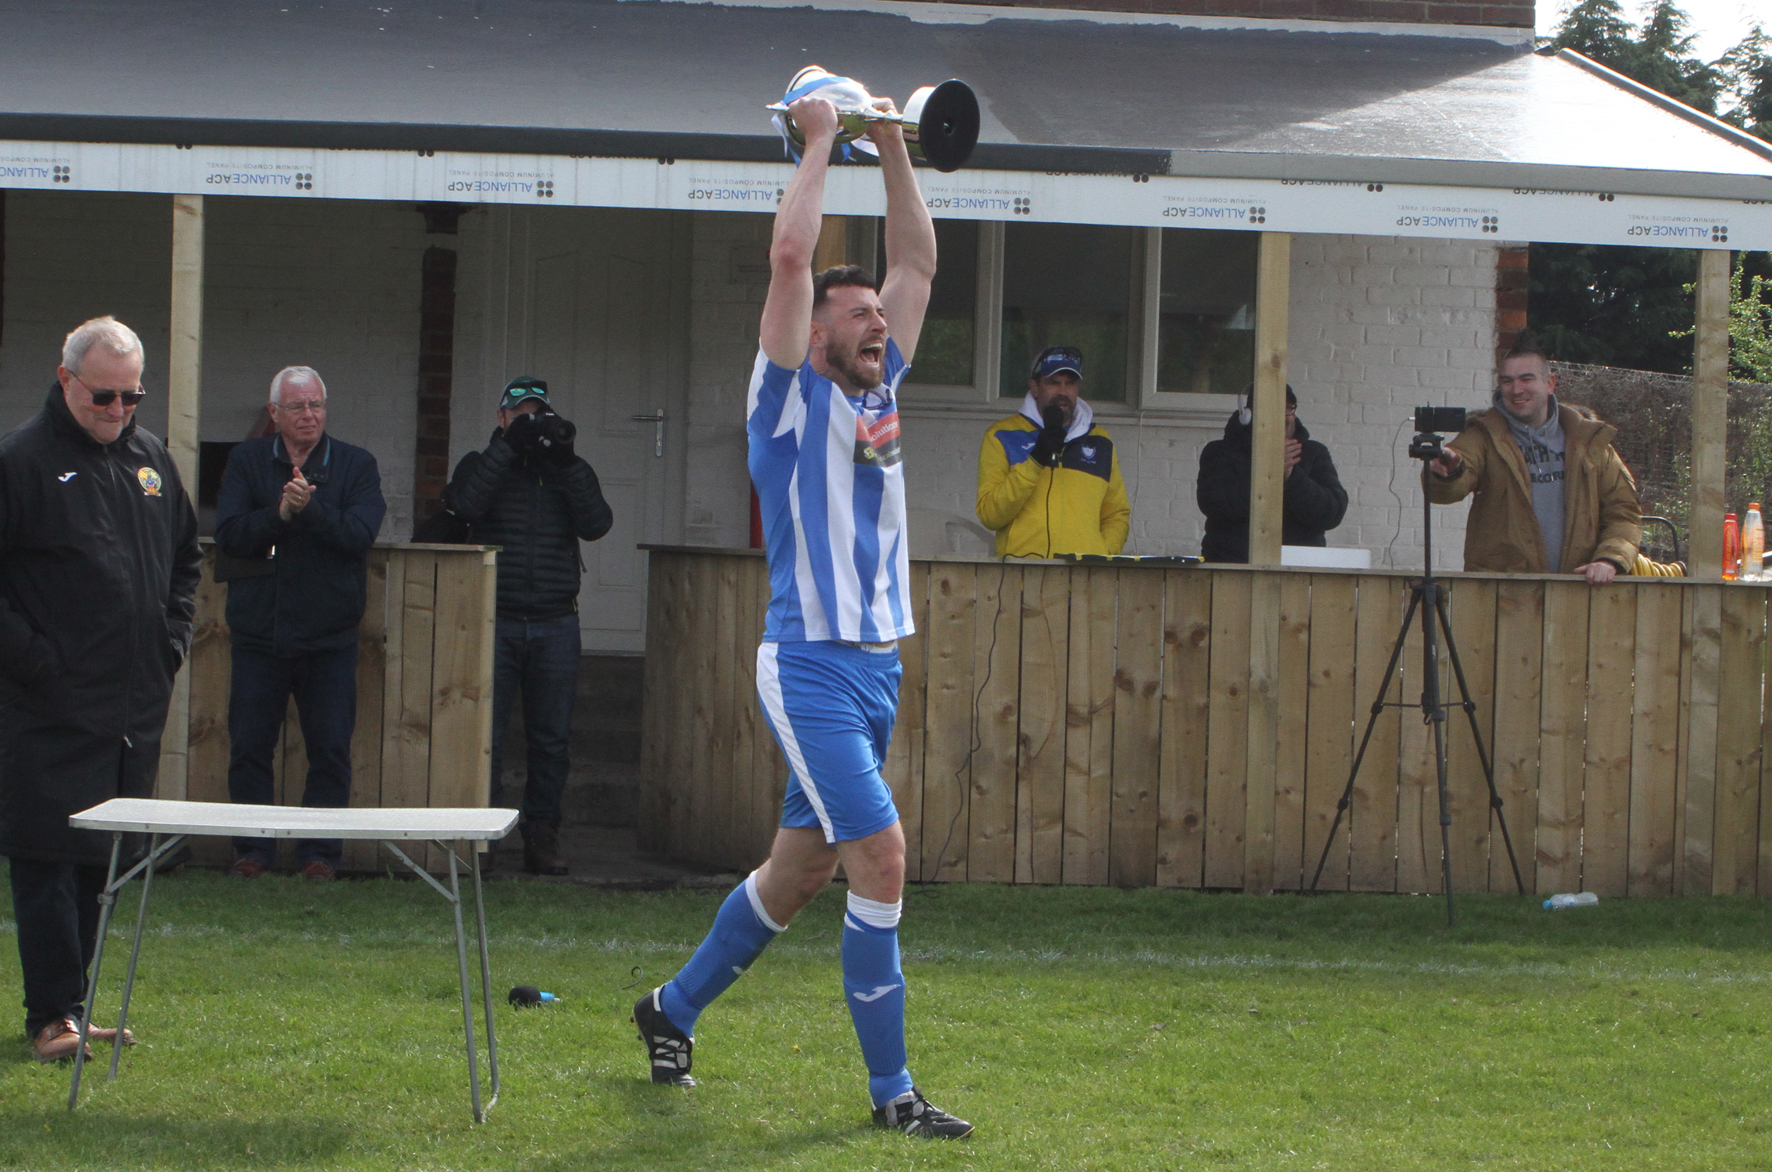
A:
(1557, 903)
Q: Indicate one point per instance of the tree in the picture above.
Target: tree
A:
(1748, 70)
(1617, 305)
(1659, 55)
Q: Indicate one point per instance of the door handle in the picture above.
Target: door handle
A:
(657, 417)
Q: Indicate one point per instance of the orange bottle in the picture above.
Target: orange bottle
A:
(1731, 546)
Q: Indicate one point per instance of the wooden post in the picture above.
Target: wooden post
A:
(1267, 480)
(184, 395)
(833, 244)
(183, 403)
(1710, 416)
(1267, 471)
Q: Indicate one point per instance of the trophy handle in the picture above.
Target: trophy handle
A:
(941, 124)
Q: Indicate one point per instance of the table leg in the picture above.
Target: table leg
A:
(485, 973)
(155, 849)
(467, 1003)
(106, 900)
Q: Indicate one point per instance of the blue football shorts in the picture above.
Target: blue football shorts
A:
(831, 706)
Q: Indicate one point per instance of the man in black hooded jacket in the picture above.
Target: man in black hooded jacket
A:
(529, 493)
(98, 571)
(1314, 501)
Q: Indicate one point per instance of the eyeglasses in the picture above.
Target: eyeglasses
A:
(303, 407)
(106, 398)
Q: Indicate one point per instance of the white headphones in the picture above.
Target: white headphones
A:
(1246, 413)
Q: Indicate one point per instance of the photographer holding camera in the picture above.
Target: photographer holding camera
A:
(532, 495)
(1553, 496)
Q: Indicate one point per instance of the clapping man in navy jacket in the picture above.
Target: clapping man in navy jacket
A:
(296, 515)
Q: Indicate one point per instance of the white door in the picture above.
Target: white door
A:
(595, 303)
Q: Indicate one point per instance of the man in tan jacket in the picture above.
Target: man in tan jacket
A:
(1553, 496)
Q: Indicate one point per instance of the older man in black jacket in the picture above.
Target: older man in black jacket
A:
(294, 520)
(98, 570)
(1313, 501)
(531, 494)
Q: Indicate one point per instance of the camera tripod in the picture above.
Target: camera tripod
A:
(1428, 597)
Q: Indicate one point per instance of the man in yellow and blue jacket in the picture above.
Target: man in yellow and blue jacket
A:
(1048, 481)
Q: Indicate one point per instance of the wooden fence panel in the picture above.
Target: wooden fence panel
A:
(996, 670)
(1471, 608)
(1655, 742)
(1519, 690)
(1738, 742)
(661, 735)
(399, 643)
(1181, 771)
(1605, 839)
(1334, 716)
(724, 797)
(372, 670)
(948, 750)
(1704, 625)
(1372, 818)
(1138, 728)
(1561, 733)
(1293, 734)
(1044, 660)
(1418, 782)
(1227, 737)
(1090, 724)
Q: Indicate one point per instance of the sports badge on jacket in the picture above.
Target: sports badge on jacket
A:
(149, 479)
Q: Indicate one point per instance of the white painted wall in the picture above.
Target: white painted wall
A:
(331, 285)
(1378, 327)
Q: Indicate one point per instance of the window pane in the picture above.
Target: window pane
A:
(1206, 317)
(1067, 285)
(950, 329)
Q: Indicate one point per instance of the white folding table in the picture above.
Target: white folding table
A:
(170, 823)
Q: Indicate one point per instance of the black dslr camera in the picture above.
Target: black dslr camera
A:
(1430, 424)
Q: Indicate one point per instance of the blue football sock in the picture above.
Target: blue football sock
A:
(873, 985)
(741, 931)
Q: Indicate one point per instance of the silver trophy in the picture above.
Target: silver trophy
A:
(940, 122)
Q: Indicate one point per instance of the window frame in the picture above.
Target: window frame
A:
(1143, 398)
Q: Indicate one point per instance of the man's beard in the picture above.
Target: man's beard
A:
(850, 369)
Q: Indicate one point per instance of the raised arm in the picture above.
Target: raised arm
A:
(910, 239)
(787, 313)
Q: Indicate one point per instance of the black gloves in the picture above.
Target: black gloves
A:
(524, 433)
(1049, 447)
(542, 436)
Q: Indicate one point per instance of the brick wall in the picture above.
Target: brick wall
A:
(333, 285)
(1507, 15)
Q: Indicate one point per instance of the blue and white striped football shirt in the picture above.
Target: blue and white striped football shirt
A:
(830, 480)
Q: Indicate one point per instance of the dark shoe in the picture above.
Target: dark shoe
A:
(670, 1048)
(248, 867)
(914, 1115)
(319, 870)
(541, 853)
(58, 1041)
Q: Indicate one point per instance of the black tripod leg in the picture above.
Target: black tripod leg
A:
(1470, 711)
(1390, 672)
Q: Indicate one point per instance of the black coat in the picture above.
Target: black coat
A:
(537, 511)
(1314, 501)
(98, 570)
(313, 598)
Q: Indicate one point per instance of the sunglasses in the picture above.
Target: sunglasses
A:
(106, 398)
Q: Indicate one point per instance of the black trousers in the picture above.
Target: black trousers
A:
(56, 906)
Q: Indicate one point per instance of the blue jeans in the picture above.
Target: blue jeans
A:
(540, 658)
(324, 684)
